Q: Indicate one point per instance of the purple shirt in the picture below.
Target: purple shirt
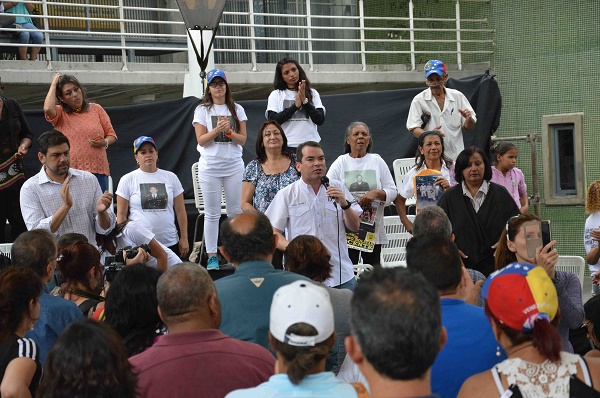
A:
(514, 182)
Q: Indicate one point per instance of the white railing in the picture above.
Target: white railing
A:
(245, 35)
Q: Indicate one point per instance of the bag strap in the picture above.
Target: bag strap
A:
(88, 305)
(586, 372)
(361, 390)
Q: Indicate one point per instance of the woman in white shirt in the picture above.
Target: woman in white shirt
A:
(220, 126)
(294, 104)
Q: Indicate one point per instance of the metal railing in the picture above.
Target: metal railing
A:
(315, 33)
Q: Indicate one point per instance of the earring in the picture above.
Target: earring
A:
(498, 353)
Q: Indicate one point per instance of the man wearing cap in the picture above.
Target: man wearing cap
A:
(248, 243)
(441, 109)
(301, 331)
(62, 199)
(195, 359)
(396, 332)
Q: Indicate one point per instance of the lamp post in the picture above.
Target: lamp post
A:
(203, 16)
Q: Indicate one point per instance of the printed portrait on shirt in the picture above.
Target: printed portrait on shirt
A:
(154, 196)
(360, 182)
(298, 115)
(221, 138)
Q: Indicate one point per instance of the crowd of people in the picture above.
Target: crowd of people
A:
(103, 304)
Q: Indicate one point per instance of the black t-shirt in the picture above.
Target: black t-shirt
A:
(20, 347)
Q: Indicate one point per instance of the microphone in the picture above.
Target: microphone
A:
(325, 183)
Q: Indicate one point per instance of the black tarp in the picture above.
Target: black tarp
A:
(385, 112)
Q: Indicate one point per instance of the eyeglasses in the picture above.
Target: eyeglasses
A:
(217, 84)
(585, 324)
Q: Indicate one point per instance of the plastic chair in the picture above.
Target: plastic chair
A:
(5, 249)
(393, 254)
(574, 264)
(359, 269)
(401, 167)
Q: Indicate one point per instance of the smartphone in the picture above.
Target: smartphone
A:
(533, 236)
(546, 232)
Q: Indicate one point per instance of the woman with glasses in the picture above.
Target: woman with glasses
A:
(220, 126)
(86, 125)
(477, 208)
(591, 324)
(512, 246)
(294, 104)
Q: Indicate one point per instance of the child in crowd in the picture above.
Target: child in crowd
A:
(504, 172)
(591, 234)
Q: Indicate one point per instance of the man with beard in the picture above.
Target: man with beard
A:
(62, 199)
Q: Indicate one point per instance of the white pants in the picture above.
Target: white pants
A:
(211, 193)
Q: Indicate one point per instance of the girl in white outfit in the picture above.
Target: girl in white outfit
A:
(220, 126)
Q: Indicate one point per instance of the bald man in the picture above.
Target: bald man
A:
(248, 242)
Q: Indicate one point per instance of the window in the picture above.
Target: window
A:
(562, 147)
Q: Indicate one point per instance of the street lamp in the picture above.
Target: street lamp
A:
(202, 15)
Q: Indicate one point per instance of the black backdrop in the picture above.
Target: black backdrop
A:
(385, 112)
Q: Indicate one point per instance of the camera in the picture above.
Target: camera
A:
(114, 264)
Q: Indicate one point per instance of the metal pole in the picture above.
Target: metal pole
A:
(47, 34)
(361, 21)
(122, 30)
(411, 6)
(458, 45)
(309, 36)
(252, 34)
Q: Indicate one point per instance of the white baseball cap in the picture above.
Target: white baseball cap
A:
(305, 302)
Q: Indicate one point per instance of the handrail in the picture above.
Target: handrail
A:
(240, 33)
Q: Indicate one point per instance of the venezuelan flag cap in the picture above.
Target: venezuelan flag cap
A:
(519, 294)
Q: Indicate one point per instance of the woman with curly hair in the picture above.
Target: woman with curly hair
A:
(294, 104)
(20, 368)
(591, 234)
(220, 126)
(88, 360)
(132, 307)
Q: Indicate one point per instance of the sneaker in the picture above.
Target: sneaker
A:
(213, 264)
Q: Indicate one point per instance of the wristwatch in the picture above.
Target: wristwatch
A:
(347, 206)
(305, 101)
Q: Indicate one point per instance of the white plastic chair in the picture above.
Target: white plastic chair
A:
(401, 167)
(199, 201)
(393, 254)
(574, 264)
(361, 268)
(5, 249)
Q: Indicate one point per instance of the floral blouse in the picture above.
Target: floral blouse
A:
(267, 185)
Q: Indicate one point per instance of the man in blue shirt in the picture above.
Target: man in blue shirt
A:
(36, 250)
(248, 243)
(471, 346)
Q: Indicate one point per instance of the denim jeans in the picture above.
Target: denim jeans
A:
(29, 37)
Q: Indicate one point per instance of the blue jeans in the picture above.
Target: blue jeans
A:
(29, 37)
(103, 181)
(350, 285)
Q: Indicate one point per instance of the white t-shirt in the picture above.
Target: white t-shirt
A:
(450, 118)
(592, 222)
(373, 172)
(407, 189)
(298, 211)
(299, 128)
(134, 234)
(222, 157)
(150, 197)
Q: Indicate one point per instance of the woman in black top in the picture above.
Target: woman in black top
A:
(20, 368)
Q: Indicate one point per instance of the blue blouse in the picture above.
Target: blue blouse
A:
(267, 185)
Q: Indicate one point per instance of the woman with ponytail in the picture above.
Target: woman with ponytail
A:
(512, 246)
(522, 305)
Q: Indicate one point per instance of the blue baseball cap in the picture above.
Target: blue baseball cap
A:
(140, 140)
(435, 66)
(215, 73)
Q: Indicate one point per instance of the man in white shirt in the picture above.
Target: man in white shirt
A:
(308, 207)
(446, 111)
(62, 199)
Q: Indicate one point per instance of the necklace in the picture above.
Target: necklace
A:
(77, 110)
